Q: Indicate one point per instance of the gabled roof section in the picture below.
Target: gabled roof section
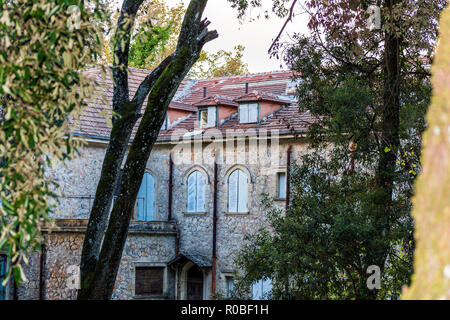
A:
(199, 259)
(258, 96)
(274, 82)
(216, 101)
(182, 106)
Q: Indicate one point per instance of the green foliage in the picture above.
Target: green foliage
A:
(220, 64)
(157, 30)
(149, 41)
(336, 225)
(43, 46)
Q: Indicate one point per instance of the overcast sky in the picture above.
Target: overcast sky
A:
(256, 36)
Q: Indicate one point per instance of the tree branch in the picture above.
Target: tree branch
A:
(289, 18)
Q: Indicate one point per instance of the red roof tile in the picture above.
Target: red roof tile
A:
(268, 85)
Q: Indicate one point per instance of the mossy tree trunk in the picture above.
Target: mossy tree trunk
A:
(101, 256)
(431, 211)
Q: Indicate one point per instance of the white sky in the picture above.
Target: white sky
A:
(256, 36)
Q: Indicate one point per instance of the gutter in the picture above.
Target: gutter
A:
(283, 134)
(41, 294)
(214, 230)
(288, 176)
(169, 209)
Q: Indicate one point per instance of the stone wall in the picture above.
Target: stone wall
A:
(145, 246)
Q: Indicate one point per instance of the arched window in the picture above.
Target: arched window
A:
(237, 191)
(146, 199)
(196, 192)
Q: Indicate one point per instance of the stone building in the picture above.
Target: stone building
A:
(225, 145)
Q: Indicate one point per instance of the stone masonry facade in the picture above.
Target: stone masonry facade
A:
(186, 240)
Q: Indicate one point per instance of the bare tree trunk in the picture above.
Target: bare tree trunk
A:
(99, 275)
(385, 171)
(432, 201)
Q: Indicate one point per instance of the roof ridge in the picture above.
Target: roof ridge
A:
(247, 75)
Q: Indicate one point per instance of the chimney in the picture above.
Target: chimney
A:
(204, 92)
(246, 88)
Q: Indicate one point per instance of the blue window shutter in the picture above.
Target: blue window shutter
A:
(146, 199)
(3, 261)
(150, 198)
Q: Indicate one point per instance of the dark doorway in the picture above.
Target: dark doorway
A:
(195, 284)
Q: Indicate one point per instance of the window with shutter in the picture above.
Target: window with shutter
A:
(237, 192)
(196, 192)
(230, 286)
(149, 281)
(243, 113)
(261, 289)
(248, 113)
(203, 118)
(212, 116)
(253, 112)
(3, 261)
(146, 199)
(281, 185)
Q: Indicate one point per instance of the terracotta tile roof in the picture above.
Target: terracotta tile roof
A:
(268, 85)
(286, 120)
(259, 96)
(216, 100)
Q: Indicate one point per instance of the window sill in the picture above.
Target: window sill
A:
(279, 199)
(151, 297)
(195, 213)
(237, 213)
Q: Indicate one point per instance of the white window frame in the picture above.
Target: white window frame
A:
(281, 185)
(245, 114)
(211, 117)
(262, 289)
(229, 280)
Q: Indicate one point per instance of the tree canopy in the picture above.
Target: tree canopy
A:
(369, 90)
(43, 46)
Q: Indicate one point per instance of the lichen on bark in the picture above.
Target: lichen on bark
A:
(431, 211)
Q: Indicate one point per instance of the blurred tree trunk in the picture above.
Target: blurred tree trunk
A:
(431, 211)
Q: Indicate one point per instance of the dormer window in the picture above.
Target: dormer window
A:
(248, 112)
(207, 117)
